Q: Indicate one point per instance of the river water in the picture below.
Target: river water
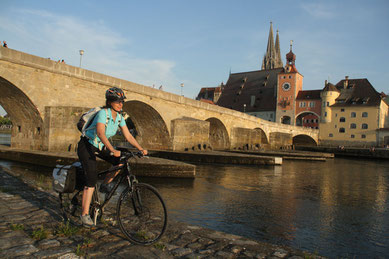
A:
(337, 208)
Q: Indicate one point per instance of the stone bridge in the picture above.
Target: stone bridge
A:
(45, 100)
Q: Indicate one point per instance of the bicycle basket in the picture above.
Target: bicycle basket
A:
(65, 177)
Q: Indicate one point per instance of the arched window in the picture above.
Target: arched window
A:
(353, 126)
(364, 114)
(342, 119)
(365, 126)
(342, 130)
(353, 114)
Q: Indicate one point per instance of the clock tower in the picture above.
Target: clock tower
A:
(290, 83)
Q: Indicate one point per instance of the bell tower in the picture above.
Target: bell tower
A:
(290, 83)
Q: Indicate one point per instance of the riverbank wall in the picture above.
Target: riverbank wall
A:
(148, 166)
(341, 151)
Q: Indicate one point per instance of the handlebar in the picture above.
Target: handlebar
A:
(125, 155)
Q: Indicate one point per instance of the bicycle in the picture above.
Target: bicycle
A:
(140, 209)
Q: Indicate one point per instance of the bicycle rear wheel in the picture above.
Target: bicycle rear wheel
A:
(142, 214)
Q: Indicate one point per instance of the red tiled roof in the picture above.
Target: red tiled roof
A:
(240, 88)
(310, 94)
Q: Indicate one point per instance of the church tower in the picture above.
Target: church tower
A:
(272, 58)
(290, 83)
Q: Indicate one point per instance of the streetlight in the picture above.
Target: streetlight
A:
(81, 53)
(244, 108)
(182, 87)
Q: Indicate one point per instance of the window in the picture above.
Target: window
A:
(342, 119)
(290, 76)
(342, 110)
(330, 135)
(342, 130)
(311, 104)
(328, 103)
(353, 115)
(336, 115)
(353, 126)
(302, 104)
(363, 136)
(324, 104)
(252, 100)
(352, 136)
(365, 126)
(336, 126)
(325, 114)
(364, 114)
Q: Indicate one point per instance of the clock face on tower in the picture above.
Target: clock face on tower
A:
(286, 86)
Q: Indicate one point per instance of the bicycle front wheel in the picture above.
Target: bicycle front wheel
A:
(142, 214)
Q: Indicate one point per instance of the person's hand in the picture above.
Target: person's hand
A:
(144, 152)
(116, 153)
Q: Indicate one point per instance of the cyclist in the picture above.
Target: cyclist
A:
(95, 143)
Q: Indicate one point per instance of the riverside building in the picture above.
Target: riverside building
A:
(354, 114)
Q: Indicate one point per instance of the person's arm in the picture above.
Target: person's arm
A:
(100, 131)
(131, 139)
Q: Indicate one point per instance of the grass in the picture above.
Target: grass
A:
(5, 189)
(15, 227)
(160, 246)
(81, 248)
(66, 230)
(39, 233)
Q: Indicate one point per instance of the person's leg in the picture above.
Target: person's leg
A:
(114, 161)
(87, 158)
(86, 199)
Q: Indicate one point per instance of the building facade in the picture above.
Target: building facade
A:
(355, 114)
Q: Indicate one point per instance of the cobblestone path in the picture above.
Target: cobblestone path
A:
(31, 227)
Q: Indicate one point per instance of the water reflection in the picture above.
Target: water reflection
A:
(337, 208)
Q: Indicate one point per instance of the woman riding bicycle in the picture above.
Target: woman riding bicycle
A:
(95, 143)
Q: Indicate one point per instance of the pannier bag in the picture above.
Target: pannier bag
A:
(68, 178)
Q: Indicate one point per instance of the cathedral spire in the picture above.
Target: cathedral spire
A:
(278, 52)
(271, 60)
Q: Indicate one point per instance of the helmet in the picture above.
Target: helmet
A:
(114, 94)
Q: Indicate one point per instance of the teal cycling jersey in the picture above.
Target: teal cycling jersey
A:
(111, 126)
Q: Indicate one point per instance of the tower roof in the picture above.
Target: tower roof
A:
(291, 57)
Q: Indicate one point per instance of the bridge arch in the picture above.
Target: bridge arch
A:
(303, 140)
(264, 138)
(27, 130)
(152, 132)
(311, 116)
(218, 135)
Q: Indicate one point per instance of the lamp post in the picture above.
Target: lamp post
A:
(244, 108)
(81, 53)
(182, 88)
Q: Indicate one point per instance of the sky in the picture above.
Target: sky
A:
(198, 43)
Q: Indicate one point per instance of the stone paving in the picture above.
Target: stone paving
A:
(31, 226)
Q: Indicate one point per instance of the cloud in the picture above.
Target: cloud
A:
(106, 51)
(319, 10)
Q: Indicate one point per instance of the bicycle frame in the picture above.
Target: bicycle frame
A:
(125, 172)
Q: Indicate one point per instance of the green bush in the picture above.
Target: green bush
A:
(5, 121)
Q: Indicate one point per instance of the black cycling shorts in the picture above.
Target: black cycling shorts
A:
(87, 154)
